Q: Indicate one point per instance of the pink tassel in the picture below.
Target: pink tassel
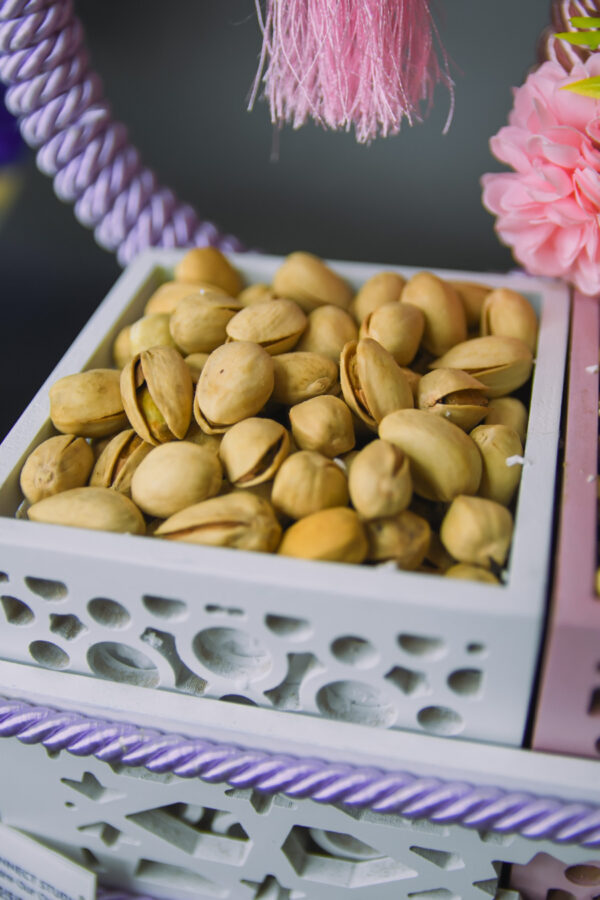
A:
(344, 63)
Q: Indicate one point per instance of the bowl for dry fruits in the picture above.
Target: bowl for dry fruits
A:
(315, 486)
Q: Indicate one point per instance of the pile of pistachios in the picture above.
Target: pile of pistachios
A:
(302, 418)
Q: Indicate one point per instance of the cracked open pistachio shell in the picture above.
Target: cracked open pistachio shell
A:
(323, 424)
(496, 444)
(235, 383)
(328, 328)
(207, 264)
(166, 297)
(173, 476)
(199, 323)
(398, 327)
(240, 519)
(157, 392)
(118, 461)
(256, 293)
(150, 331)
(454, 394)
(121, 350)
(445, 319)
(306, 482)
(507, 313)
(335, 535)
(58, 464)
(502, 364)
(88, 404)
(477, 531)
(379, 480)
(403, 538)
(276, 325)
(299, 376)
(472, 295)
(98, 508)
(508, 411)
(372, 382)
(382, 288)
(444, 461)
(471, 573)
(306, 279)
(252, 451)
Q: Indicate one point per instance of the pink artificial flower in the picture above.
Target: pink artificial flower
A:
(548, 209)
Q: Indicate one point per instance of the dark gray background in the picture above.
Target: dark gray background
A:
(178, 74)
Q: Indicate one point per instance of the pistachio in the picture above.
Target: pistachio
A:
(150, 331)
(252, 451)
(199, 323)
(398, 327)
(382, 288)
(373, 384)
(306, 279)
(496, 444)
(157, 392)
(121, 350)
(472, 294)
(256, 293)
(413, 380)
(507, 313)
(118, 461)
(197, 436)
(323, 424)
(444, 461)
(471, 573)
(379, 480)
(236, 382)
(335, 534)
(477, 531)
(166, 297)
(57, 464)
(508, 411)
(97, 508)
(240, 519)
(307, 482)
(403, 538)
(88, 404)
(328, 328)
(300, 376)
(276, 325)
(502, 364)
(437, 555)
(445, 320)
(207, 264)
(174, 476)
(454, 394)
(195, 363)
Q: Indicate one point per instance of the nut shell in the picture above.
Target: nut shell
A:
(253, 450)
(398, 327)
(477, 531)
(403, 538)
(379, 480)
(276, 325)
(308, 482)
(502, 364)
(382, 288)
(445, 320)
(173, 476)
(118, 461)
(323, 424)
(199, 323)
(372, 382)
(454, 394)
(98, 508)
(157, 392)
(508, 411)
(150, 331)
(58, 464)
(309, 281)
(334, 534)
(166, 297)
(496, 444)
(506, 312)
(207, 264)
(299, 376)
(235, 383)
(328, 328)
(88, 404)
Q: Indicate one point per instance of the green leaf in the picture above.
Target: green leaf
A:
(581, 38)
(585, 22)
(589, 87)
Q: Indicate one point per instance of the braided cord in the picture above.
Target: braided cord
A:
(64, 116)
(490, 808)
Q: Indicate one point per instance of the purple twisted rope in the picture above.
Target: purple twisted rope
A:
(63, 114)
(452, 802)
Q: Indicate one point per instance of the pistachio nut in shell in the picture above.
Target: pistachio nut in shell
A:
(58, 464)
(509, 411)
(413, 380)
(98, 508)
(323, 424)
(121, 351)
(379, 480)
(328, 328)
(398, 327)
(335, 534)
(445, 319)
(173, 476)
(88, 404)
(276, 325)
(235, 383)
(166, 297)
(496, 444)
(472, 295)
(454, 394)
(384, 287)
(299, 376)
(306, 482)
(403, 538)
(157, 392)
(118, 461)
(150, 331)
(471, 573)
(309, 281)
(195, 434)
(240, 519)
(502, 364)
(252, 451)
(207, 264)
(506, 312)
(195, 363)
(199, 323)
(444, 461)
(437, 556)
(256, 293)
(477, 531)
(372, 382)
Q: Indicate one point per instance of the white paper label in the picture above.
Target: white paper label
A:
(30, 871)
